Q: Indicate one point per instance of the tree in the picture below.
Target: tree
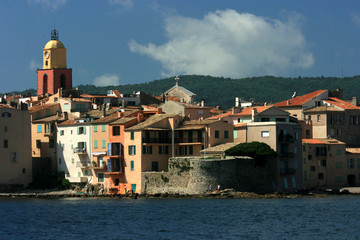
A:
(256, 150)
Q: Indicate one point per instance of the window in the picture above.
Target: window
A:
(155, 166)
(100, 177)
(235, 134)
(307, 133)
(103, 144)
(39, 128)
(95, 128)
(116, 182)
(147, 149)
(81, 130)
(132, 149)
(63, 146)
(183, 150)
(226, 134)
(60, 161)
(312, 168)
(265, 134)
(338, 179)
(131, 135)
(338, 165)
(318, 118)
(191, 150)
(201, 112)
(132, 165)
(55, 99)
(103, 128)
(38, 143)
(6, 143)
(217, 135)
(72, 161)
(66, 107)
(95, 143)
(61, 132)
(5, 129)
(13, 157)
(116, 131)
(350, 163)
(133, 187)
(163, 149)
(338, 151)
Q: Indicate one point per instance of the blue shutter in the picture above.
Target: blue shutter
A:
(129, 150)
(109, 165)
(109, 149)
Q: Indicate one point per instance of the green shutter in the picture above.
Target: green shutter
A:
(132, 135)
(95, 128)
(129, 150)
(84, 130)
(103, 143)
(132, 165)
(95, 144)
(78, 130)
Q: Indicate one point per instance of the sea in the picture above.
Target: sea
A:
(335, 217)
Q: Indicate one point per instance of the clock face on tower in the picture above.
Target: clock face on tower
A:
(47, 54)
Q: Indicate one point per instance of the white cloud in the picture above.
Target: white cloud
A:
(33, 65)
(124, 3)
(356, 19)
(227, 43)
(106, 80)
(53, 5)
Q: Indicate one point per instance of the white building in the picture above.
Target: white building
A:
(74, 150)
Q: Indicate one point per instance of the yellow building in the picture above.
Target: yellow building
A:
(15, 148)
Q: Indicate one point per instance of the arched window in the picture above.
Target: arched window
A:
(46, 62)
(63, 81)
(45, 83)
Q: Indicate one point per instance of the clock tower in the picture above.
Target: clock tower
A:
(54, 74)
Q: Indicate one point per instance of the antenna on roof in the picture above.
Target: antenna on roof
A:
(294, 95)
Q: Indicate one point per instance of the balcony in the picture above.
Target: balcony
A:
(286, 138)
(188, 140)
(77, 179)
(79, 150)
(287, 171)
(156, 140)
(287, 154)
(114, 166)
(83, 164)
(115, 149)
(49, 134)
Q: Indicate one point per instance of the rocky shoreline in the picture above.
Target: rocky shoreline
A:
(227, 193)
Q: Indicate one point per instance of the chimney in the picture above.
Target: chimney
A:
(120, 114)
(233, 110)
(237, 102)
(288, 102)
(66, 116)
(355, 101)
(202, 103)
(253, 113)
(60, 92)
(140, 117)
(104, 112)
(123, 104)
(159, 111)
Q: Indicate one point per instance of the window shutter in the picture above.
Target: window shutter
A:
(129, 150)
(150, 149)
(84, 130)
(78, 130)
(134, 150)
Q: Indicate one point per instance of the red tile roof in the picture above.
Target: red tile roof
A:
(300, 100)
(353, 150)
(313, 141)
(248, 111)
(240, 125)
(42, 107)
(6, 106)
(341, 103)
(221, 115)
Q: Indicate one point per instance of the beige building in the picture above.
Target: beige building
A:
(180, 93)
(15, 148)
(189, 111)
(149, 144)
(328, 164)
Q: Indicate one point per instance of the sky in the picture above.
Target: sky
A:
(116, 42)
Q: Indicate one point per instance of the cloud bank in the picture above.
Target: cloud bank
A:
(106, 80)
(227, 43)
(33, 65)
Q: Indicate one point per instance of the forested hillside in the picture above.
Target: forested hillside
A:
(222, 91)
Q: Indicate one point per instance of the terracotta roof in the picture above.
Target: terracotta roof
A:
(323, 109)
(42, 107)
(193, 127)
(116, 92)
(300, 100)
(151, 120)
(122, 120)
(313, 141)
(240, 125)
(106, 119)
(78, 100)
(201, 122)
(341, 104)
(73, 122)
(96, 96)
(99, 114)
(353, 150)
(221, 115)
(48, 119)
(6, 106)
(248, 111)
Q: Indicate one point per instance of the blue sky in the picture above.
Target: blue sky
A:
(128, 41)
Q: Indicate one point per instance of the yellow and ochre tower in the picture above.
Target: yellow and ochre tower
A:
(54, 74)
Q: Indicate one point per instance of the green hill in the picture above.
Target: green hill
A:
(222, 91)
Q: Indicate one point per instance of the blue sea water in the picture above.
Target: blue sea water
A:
(78, 218)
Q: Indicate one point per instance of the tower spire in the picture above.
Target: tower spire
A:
(54, 34)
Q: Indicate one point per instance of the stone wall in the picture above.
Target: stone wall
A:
(196, 175)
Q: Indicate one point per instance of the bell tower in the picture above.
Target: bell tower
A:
(54, 74)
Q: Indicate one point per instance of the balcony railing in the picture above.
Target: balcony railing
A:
(286, 138)
(287, 154)
(287, 171)
(83, 164)
(79, 150)
(176, 140)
